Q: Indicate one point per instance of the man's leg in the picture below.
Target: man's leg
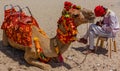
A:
(91, 40)
(85, 37)
(91, 43)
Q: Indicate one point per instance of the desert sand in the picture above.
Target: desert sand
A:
(47, 12)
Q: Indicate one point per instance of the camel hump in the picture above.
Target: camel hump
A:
(20, 33)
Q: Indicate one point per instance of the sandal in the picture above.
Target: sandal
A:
(82, 40)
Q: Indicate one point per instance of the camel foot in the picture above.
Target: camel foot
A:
(46, 67)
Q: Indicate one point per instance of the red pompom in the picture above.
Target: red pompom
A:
(74, 7)
(67, 5)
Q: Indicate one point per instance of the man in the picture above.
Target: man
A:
(106, 28)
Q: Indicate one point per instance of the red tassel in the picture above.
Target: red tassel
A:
(60, 58)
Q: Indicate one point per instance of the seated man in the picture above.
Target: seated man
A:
(106, 28)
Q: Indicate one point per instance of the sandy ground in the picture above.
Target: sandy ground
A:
(47, 12)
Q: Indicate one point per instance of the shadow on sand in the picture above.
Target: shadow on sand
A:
(15, 54)
(99, 50)
(18, 55)
(54, 65)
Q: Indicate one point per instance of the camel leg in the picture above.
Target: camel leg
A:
(31, 58)
(64, 48)
(5, 39)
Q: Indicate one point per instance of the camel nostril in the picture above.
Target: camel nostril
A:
(29, 22)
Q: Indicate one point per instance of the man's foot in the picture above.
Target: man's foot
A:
(82, 40)
(88, 51)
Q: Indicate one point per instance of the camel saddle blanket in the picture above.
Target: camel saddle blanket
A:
(18, 28)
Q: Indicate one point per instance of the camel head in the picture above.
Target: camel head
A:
(72, 17)
(80, 16)
(89, 15)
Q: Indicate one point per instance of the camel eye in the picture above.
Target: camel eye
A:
(75, 16)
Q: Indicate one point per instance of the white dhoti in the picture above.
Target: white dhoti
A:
(93, 32)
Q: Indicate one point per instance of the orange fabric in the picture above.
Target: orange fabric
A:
(70, 28)
(99, 11)
(22, 35)
(16, 27)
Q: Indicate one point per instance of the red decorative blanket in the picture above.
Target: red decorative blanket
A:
(17, 26)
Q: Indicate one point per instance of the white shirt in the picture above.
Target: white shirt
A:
(111, 23)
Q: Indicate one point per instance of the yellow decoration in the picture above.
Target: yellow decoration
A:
(78, 7)
(67, 15)
(42, 32)
(35, 39)
(57, 50)
(38, 50)
(37, 44)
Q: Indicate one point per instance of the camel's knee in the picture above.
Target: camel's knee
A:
(28, 56)
(35, 62)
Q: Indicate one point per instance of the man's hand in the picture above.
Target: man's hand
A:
(99, 23)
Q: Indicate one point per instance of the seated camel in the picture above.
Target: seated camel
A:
(27, 36)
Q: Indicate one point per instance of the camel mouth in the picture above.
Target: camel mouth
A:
(88, 14)
(92, 18)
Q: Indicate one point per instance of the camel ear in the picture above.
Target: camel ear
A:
(64, 12)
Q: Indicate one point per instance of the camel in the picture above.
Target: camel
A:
(52, 47)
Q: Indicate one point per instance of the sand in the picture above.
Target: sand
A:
(47, 12)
